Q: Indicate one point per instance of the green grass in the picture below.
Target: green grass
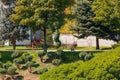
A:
(52, 48)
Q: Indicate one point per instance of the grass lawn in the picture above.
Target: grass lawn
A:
(52, 48)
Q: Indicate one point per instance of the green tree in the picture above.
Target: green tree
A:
(12, 32)
(86, 26)
(41, 14)
(9, 30)
(108, 14)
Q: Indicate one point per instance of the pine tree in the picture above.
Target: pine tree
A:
(85, 26)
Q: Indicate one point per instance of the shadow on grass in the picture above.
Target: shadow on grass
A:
(6, 56)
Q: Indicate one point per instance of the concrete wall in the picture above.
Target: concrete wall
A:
(89, 41)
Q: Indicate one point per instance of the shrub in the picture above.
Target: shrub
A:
(11, 70)
(18, 62)
(31, 64)
(82, 55)
(85, 56)
(41, 54)
(56, 61)
(28, 57)
(116, 45)
(104, 66)
(1, 64)
(7, 65)
(88, 57)
(40, 71)
(59, 53)
(3, 71)
(16, 54)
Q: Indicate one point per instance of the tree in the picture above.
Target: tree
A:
(56, 39)
(41, 14)
(86, 26)
(108, 14)
(9, 30)
(12, 32)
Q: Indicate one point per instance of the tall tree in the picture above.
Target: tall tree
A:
(12, 32)
(85, 26)
(41, 14)
(9, 30)
(107, 12)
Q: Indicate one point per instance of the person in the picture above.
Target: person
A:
(34, 43)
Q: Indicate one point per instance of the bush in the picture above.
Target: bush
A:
(85, 56)
(59, 53)
(18, 61)
(41, 54)
(7, 65)
(104, 66)
(1, 64)
(3, 71)
(11, 70)
(16, 54)
(28, 57)
(56, 61)
(82, 55)
(88, 57)
(32, 64)
(41, 71)
(116, 45)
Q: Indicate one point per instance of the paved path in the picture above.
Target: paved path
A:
(53, 50)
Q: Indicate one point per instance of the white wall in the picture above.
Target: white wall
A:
(89, 41)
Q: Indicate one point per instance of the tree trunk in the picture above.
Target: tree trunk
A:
(97, 43)
(45, 44)
(30, 69)
(31, 37)
(14, 44)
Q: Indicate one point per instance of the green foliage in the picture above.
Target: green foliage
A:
(16, 54)
(82, 55)
(40, 71)
(116, 45)
(31, 64)
(41, 54)
(0, 56)
(19, 61)
(3, 71)
(56, 61)
(40, 14)
(107, 14)
(60, 53)
(88, 56)
(1, 64)
(85, 56)
(56, 39)
(8, 29)
(7, 65)
(104, 66)
(28, 57)
(83, 14)
(11, 70)
(6, 56)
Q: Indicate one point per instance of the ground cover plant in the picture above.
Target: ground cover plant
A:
(104, 66)
(30, 63)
